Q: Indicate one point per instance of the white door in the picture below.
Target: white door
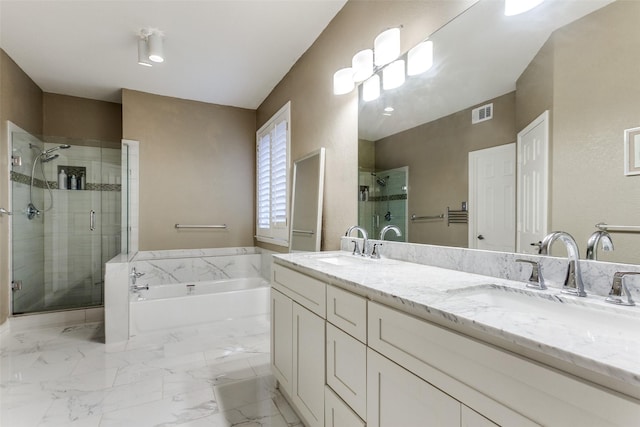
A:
(492, 192)
(533, 186)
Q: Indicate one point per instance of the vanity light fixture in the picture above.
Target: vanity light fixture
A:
(343, 81)
(516, 7)
(420, 58)
(150, 47)
(386, 46)
(362, 64)
(371, 88)
(393, 75)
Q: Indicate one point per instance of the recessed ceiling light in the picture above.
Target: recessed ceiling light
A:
(388, 109)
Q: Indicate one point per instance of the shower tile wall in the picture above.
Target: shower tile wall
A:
(27, 236)
(373, 207)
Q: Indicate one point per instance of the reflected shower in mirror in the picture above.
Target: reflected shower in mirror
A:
(575, 59)
(306, 211)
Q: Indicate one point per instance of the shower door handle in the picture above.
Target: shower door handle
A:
(3, 211)
(92, 220)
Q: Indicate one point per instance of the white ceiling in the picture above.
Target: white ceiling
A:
(477, 56)
(230, 52)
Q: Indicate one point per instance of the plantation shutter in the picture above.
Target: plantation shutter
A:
(279, 176)
(272, 182)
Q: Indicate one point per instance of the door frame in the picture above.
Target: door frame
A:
(542, 119)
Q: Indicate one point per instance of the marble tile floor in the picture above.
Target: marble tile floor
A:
(208, 375)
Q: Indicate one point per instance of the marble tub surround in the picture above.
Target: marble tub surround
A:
(211, 375)
(606, 353)
(596, 275)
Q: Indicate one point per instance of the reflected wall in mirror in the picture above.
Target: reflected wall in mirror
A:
(306, 211)
(577, 59)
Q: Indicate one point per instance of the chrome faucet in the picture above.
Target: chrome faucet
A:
(573, 281)
(135, 275)
(594, 239)
(364, 238)
(386, 228)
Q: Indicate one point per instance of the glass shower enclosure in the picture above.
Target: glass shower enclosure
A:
(66, 204)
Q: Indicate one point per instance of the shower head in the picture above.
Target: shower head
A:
(381, 181)
(47, 157)
(63, 147)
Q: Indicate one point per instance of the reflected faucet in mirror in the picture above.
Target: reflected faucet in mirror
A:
(594, 240)
(573, 281)
(386, 228)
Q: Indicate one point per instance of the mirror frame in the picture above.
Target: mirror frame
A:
(317, 232)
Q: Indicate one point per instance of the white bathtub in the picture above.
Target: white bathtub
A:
(182, 304)
(191, 287)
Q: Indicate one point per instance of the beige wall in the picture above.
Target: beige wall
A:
(437, 154)
(21, 103)
(596, 97)
(74, 117)
(196, 167)
(586, 74)
(321, 119)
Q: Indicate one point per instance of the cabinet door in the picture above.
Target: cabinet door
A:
(337, 413)
(396, 397)
(308, 365)
(282, 339)
(347, 369)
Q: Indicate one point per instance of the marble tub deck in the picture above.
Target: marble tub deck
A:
(210, 375)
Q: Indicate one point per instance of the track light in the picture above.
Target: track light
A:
(154, 43)
(150, 47)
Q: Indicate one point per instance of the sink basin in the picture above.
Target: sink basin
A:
(579, 314)
(345, 260)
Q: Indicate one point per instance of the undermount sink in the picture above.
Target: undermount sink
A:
(580, 314)
(345, 260)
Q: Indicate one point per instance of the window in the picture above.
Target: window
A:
(272, 179)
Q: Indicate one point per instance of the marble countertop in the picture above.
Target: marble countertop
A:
(589, 335)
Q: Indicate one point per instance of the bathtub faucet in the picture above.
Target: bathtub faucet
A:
(135, 275)
(138, 288)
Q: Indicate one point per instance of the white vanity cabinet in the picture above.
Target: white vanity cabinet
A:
(298, 305)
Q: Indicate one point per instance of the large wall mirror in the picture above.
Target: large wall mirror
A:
(306, 212)
(570, 66)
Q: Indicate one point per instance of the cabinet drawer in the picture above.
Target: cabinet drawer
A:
(305, 290)
(347, 369)
(337, 413)
(348, 312)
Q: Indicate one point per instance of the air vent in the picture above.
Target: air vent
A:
(482, 114)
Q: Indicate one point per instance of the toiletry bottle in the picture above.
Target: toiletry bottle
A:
(82, 182)
(74, 183)
(62, 180)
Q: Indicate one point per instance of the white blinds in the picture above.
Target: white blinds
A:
(272, 186)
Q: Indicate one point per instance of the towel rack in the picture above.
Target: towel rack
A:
(303, 231)
(457, 217)
(619, 228)
(200, 226)
(414, 217)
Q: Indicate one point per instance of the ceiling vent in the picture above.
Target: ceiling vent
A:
(482, 114)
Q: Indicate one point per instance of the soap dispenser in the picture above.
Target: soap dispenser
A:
(62, 180)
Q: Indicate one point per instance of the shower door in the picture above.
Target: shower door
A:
(65, 226)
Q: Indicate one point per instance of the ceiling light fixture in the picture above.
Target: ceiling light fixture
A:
(516, 7)
(143, 52)
(150, 46)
